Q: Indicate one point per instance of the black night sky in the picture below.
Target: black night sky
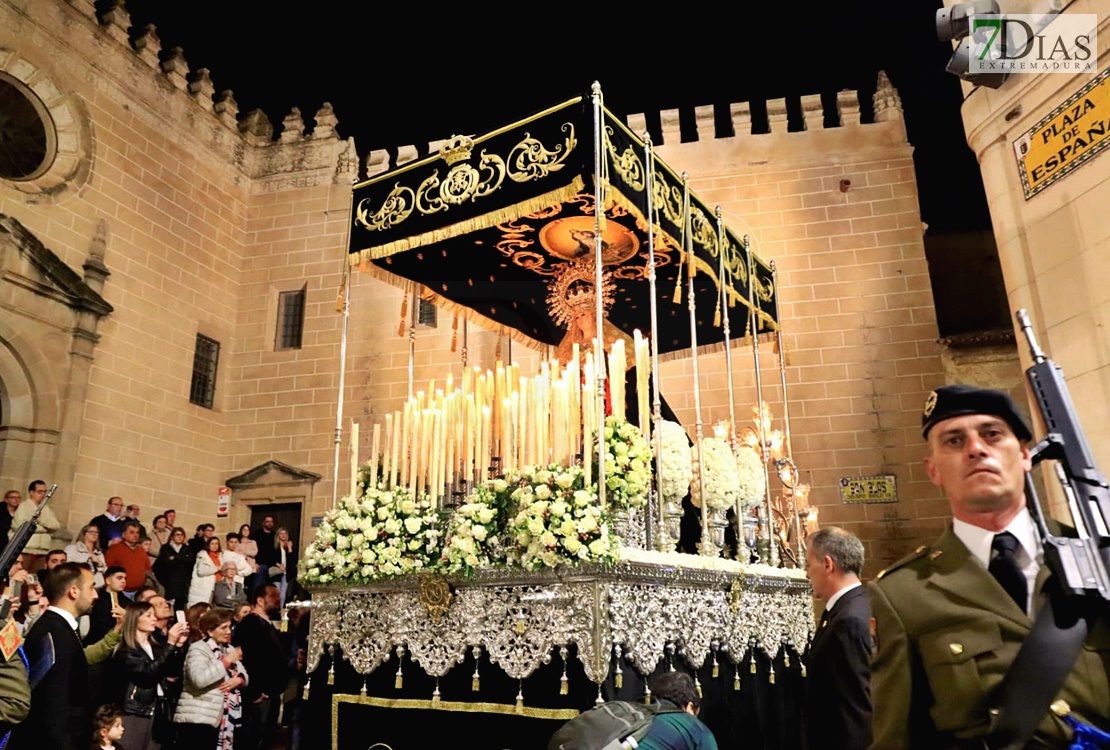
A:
(400, 77)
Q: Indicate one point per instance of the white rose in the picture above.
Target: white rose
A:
(565, 480)
(572, 545)
(479, 532)
(543, 492)
(486, 514)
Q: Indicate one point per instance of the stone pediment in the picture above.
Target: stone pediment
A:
(25, 261)
(272, 473)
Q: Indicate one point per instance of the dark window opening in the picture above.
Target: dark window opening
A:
(426, 314)
(206, 357)
(290, 319)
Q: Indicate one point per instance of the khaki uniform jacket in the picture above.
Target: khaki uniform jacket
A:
(946, 635)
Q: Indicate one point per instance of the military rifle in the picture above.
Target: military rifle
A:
(19, 539)
(1078, 589)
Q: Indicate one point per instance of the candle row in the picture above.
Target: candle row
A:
(451, 435)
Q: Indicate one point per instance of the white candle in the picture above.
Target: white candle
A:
(375, 445)
(354, 458)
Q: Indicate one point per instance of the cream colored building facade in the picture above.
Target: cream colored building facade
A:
(1054, 245)
(165, 214)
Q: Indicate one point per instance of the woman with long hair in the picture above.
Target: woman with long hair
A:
(141, 665)
(85, 549)
(206, 571)
(192, 619)
(209, 708)
(248, 548)
(284, 570)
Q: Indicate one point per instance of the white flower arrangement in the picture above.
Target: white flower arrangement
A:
(752, 476)
(718, 471)
(627, 464)
(383, 533)
(559, 519)
(475, 534)
(676, 459)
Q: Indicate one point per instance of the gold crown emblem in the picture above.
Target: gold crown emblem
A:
(456, 148)
(571, 292)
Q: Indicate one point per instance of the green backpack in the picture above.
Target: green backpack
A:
(615, 725)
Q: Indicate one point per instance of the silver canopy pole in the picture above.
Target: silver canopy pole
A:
(661, 540)
(599, 311)
(769, 517)
(706, 546)
(344, 307)
(725, 287)
(413, 317)
(789, 449)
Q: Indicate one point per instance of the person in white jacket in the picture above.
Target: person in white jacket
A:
(208, 708)
(205, 572)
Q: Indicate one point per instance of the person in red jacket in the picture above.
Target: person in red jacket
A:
(130, 555)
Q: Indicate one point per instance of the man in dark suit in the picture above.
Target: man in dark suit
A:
(949, 621)
(60, 702)
(838, 693)
(110, 523)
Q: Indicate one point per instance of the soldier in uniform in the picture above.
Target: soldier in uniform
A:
(15, 688)
(949, 619)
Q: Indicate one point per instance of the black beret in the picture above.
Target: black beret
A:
(957, 400)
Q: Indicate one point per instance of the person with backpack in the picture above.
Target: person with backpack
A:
(677, 729)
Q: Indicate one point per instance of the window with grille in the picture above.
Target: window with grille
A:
(290, 322)
(205, 359)
(426, 314)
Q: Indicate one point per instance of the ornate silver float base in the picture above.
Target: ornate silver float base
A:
(520, 618)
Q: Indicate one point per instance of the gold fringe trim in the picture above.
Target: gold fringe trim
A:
(362, 258)
(454, 308)
(504, 709)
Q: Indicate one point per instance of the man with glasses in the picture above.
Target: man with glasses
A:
(110, 523)
(40, 542)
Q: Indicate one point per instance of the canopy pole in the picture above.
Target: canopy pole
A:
(706, 546)
(599, 311)
(413, 317)
(768, 513)
(724, 288)
(662, 539)
(463, 350)
(346, 307)
(798, 540)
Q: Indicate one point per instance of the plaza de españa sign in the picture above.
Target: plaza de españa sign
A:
(1067, 138)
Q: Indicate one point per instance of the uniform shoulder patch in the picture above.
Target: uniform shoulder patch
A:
(917, 554)
(10, 640)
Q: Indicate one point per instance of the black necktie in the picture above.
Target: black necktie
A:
(1004, 567)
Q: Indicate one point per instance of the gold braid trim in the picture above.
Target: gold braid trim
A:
(362, 258)
(506, 709)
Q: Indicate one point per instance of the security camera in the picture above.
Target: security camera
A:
(952, 23)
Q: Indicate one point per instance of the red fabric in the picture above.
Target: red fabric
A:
(134, 560)
(216, 559)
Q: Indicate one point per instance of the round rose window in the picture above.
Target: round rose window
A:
(26, 135)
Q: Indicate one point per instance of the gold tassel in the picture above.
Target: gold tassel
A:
(497, 351)
(399, 678)
(341, 298)
(803, 669)
(331, 675)
(786, 659)
(475, 682)
(304, 693)
(752, 669)
(647, 695)
(520, 699)
(404, 314)
(717, 315)
(618, 679)
(697, 684)
(771, 675)
(454, 332)
(736, 680)
(716, 667)
(362, 690)
(435, 696)
(564, 687)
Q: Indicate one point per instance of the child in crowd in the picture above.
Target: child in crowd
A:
(107, 728)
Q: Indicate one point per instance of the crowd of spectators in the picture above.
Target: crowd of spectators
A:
(158, 641)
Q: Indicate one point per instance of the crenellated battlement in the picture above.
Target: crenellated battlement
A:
(162, 82)
(806, 114)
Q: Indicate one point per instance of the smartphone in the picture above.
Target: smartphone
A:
(181, 617)
(17, 590)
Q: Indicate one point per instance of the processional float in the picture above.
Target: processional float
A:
(562, 231)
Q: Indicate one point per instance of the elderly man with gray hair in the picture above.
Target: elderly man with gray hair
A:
(838, 692)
